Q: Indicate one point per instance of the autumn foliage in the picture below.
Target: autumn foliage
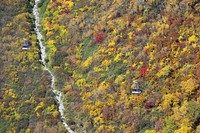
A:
(27, 103)
(99, 49)
(153, 42)
(99, 38)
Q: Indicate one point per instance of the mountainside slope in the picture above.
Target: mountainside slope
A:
(27, 103)
(98, 48)
(98, 51)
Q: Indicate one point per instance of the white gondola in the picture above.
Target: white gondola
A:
(26, 46)
(136, 91)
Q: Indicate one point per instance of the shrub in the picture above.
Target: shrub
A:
(99, 38)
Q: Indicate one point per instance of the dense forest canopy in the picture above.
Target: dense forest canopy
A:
(27, 103)
(98, 51)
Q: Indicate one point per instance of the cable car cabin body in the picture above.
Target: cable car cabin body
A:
(26, 46)
(136, 91)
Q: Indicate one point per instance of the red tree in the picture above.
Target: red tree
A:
(143, 71)
(99, 37)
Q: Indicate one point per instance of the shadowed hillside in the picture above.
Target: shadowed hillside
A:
(26, 101)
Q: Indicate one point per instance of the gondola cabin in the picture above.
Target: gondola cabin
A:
(26, 46)
(136, 91)
(135, 88)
